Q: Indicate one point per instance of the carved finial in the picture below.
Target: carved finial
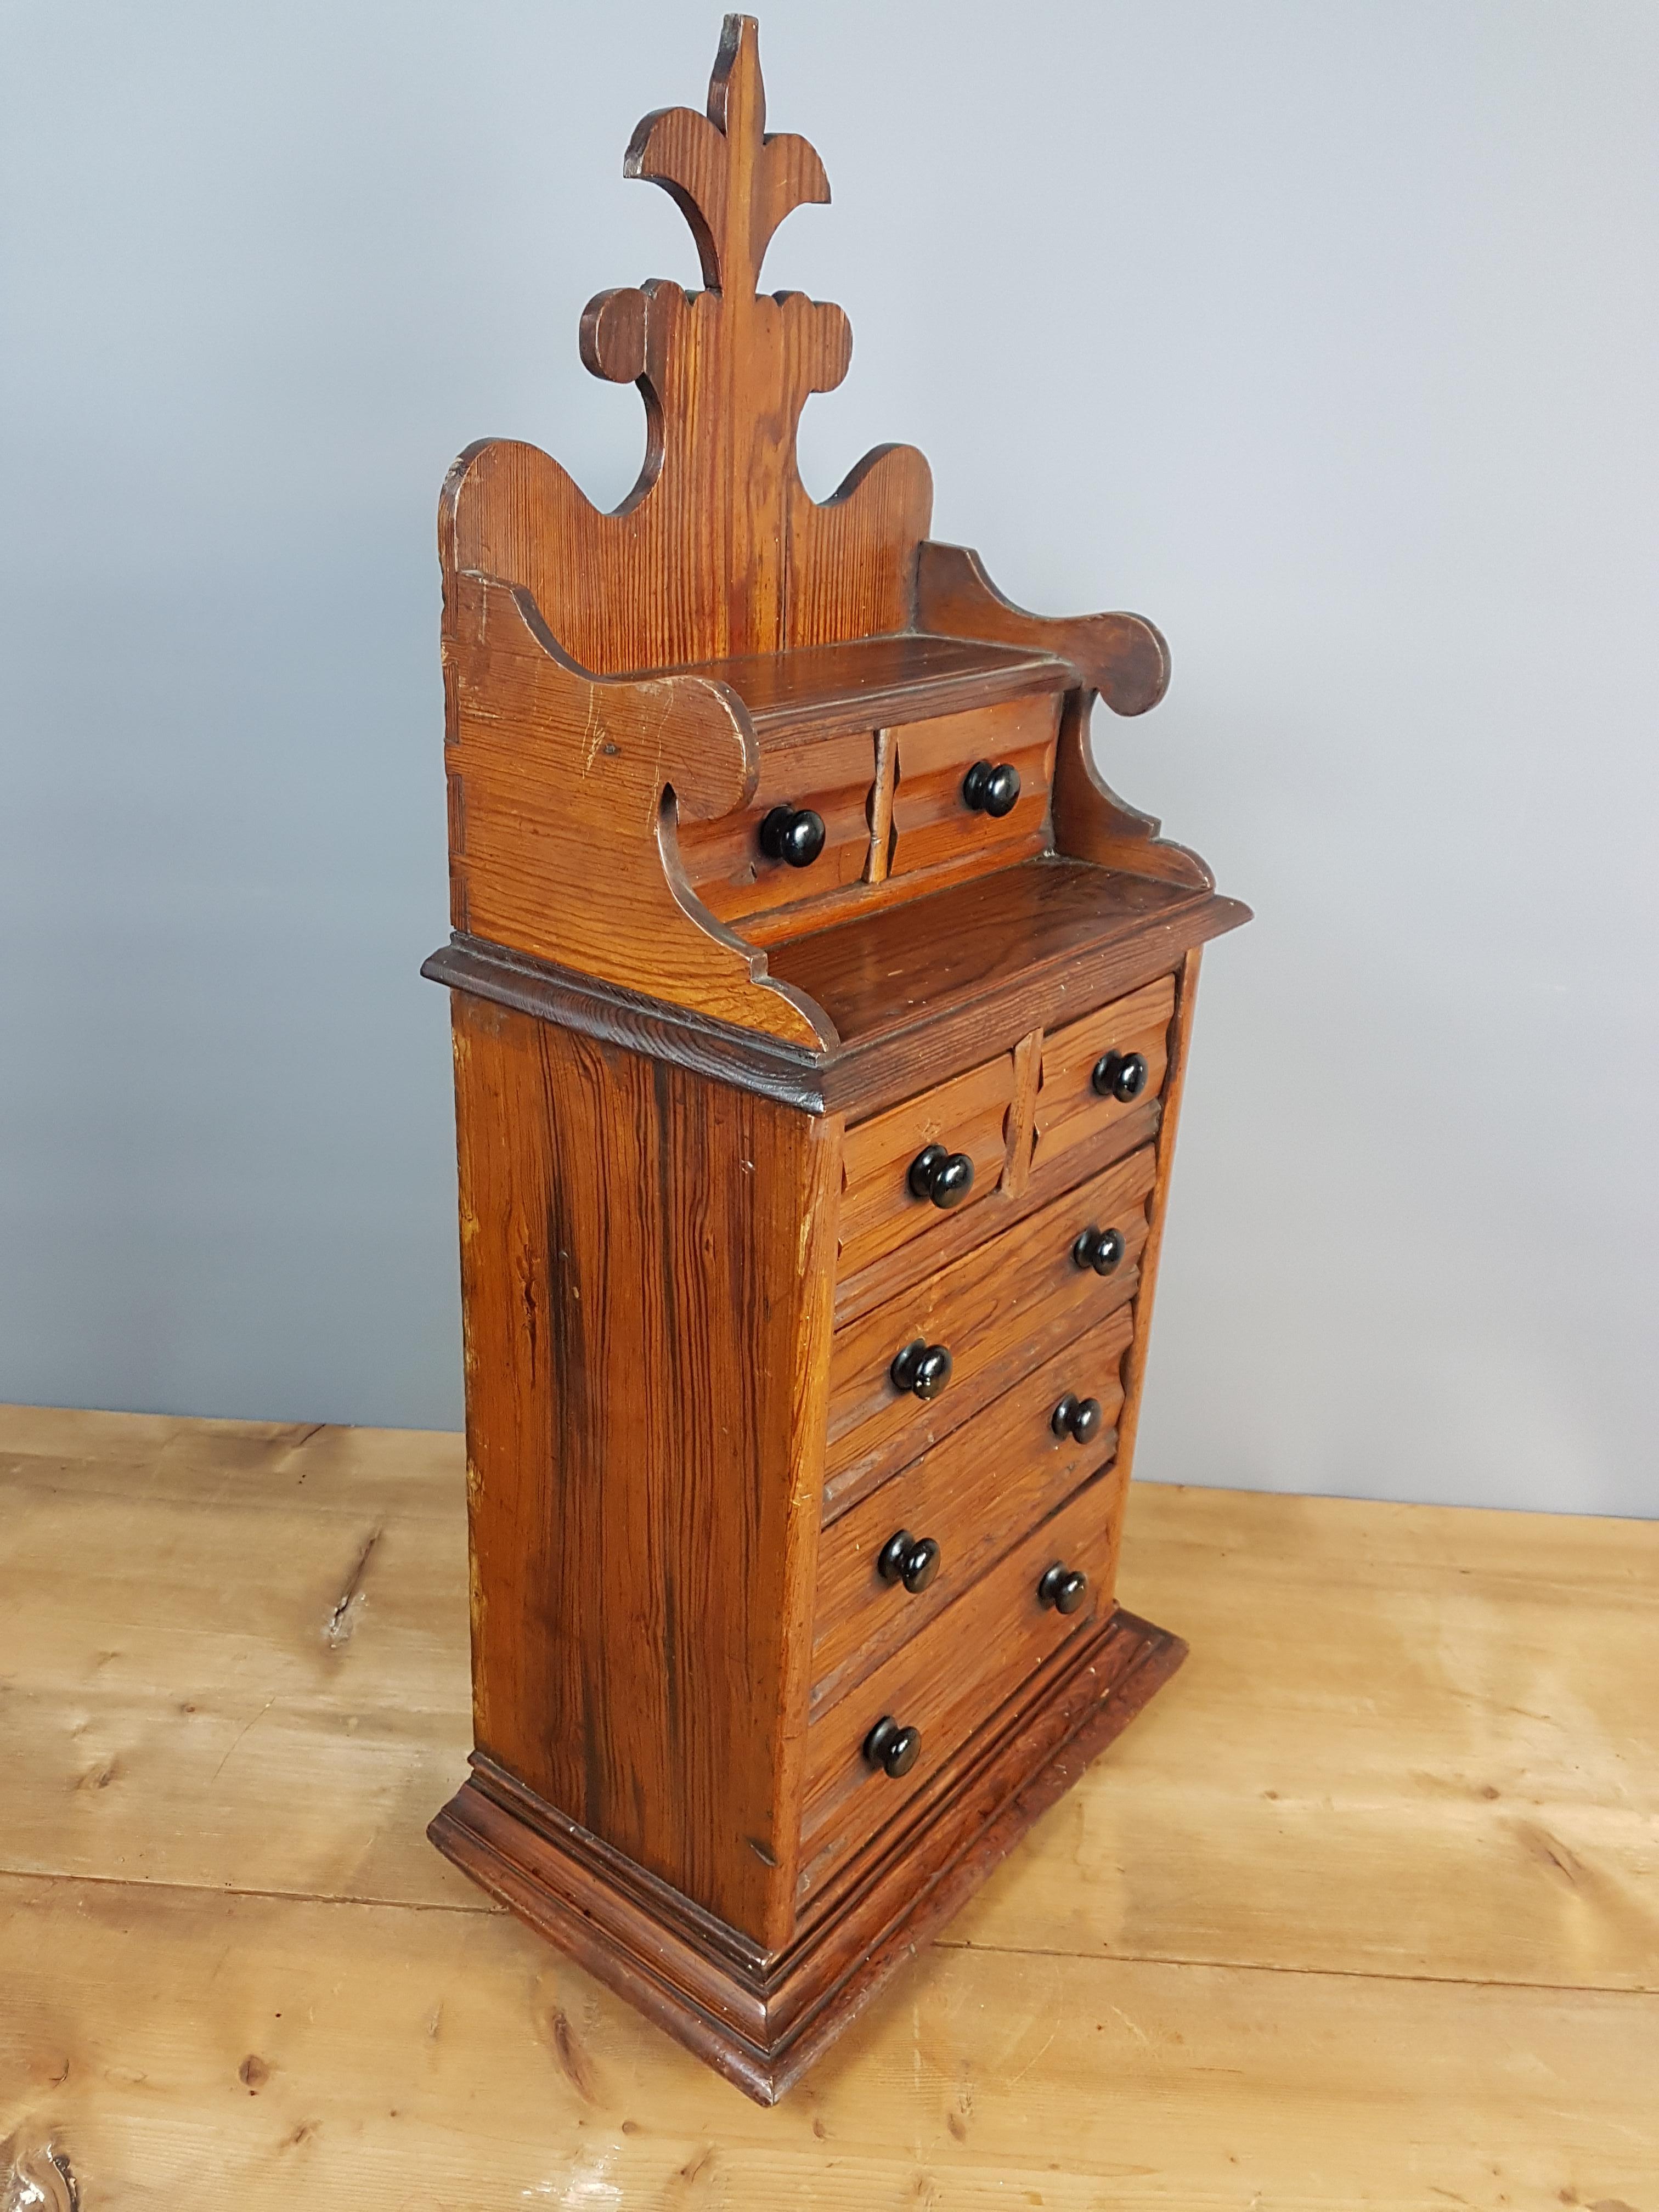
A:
(732, 184)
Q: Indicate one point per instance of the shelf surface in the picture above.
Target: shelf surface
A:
(1015, 931)
(822, 691)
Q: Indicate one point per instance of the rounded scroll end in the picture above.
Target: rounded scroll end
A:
(613, 335)
(1136, 673)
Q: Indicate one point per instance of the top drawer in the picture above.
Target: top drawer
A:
(939, 816)
(737, 868)
(904, 1170)
(1096, 1071)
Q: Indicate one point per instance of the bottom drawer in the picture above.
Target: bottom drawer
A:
(953, 1675)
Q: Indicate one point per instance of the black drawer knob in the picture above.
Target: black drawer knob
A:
(1120, 1075)
(945, 1178)
(1064, 1587)
(1080, 1418)
(992, 791)
(893, 1749)
(793, 834)
(1099, 1248)
(912, 1560)
(921, 1367)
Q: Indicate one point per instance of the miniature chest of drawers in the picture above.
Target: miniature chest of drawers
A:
(819, 1022)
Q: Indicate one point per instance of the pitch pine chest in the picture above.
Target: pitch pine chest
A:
(820, 1019)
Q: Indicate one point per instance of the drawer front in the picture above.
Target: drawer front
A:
(953, 1675)
(933, 822)
(1071, 1109)
(966, 1118)
(724, 862)
(1012, 1301)
(973, 1495)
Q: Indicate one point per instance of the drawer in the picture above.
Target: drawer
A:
(1125, 1045)
(724, 862)
(997, 1311)
(963, 1119)
(933, 820)
(973, 1495)
(954, 1675)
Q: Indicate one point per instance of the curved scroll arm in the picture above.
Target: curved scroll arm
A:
(564, 789)
(1123, 657)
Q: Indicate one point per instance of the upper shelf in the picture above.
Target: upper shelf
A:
(833, 690)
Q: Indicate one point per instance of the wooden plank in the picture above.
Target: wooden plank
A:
(1408, 1741)
(181, 2050)
(235, 1654)
(824, 690)
(646, 1268)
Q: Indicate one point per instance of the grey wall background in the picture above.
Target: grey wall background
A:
(1327, 336)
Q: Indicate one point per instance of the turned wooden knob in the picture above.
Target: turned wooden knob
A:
(1078, 1418)
(1064, 1587)
(945, 1178)
(992, 791)
(793, 834)
(1099, 1248)
(1120, 1075)
(912, 1560)
(893, 1749)
(921, 1367)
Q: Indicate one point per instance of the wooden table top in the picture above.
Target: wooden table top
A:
(1365, 1911)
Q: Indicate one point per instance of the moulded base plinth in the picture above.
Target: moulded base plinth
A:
(759, 2018)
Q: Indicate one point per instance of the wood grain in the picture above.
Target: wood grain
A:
(975, 1493)
(718, 549)
(735, 880)
(834, 691)
(645, 1269)
(548, 768)
(879, 1210)
(1364, 1916)
(1445, 1707)
(1031, 942)
(1069, 1112)
(999, 1310)
(959, 1666)
(933, 826)
(1121, 657)
(398, 2061)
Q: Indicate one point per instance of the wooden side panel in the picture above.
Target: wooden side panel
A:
(556, 778)
(1134, 1364)
(647, 1265)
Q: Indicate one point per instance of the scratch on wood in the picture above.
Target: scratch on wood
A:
(343, 1616)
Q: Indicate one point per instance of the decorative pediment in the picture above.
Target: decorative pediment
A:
(719, 549)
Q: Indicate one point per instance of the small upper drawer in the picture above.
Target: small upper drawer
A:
(939, 816)
(728, 864)
(905, 1550)
(953, 1676)
(932, 1155)
(1097, 1070)
(916, 1366)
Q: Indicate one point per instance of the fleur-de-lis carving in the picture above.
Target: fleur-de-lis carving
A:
(732, 183)
(719, 549)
